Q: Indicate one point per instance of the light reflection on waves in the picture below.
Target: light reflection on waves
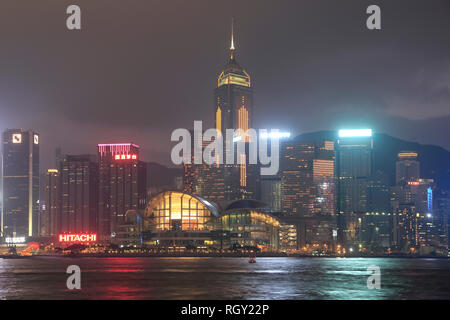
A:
(119, 270)
(348, 272)
(225, 271)
(225, 278)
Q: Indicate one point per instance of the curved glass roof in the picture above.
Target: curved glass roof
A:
(210, 206)
(246, 204)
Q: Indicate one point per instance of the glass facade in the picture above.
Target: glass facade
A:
(252, 227)
(177, 211)
(51, 219)
(79, 192)
(354, 168)
(175, 219)
(20, 168)
(233, 107)
(271, 192)
(288, 237)
(307, 178)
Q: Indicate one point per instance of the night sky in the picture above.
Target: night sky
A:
(140, 69)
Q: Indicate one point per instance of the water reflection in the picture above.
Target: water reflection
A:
(225, 278)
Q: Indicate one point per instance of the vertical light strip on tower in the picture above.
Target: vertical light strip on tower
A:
(219, 129)
(219, 119)
(243, 170)
(30, 184)
(243, 121)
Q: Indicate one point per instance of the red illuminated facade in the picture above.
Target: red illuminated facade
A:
(122, 185)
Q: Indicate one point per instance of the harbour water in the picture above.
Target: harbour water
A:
(224, 278)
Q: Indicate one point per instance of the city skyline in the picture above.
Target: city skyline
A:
(297, 74)
(326, 186)
(225, 151)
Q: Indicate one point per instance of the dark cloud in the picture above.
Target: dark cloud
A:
(138, 70)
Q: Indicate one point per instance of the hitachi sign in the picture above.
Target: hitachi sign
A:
(77, 237)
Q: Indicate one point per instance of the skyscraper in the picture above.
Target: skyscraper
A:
(378, 192)
(123, 184)
(20, 180)
(233, 96)
(233, 109)
(307, 190)
(376, 224)
(407, 168)
(307, 178)
(79, 192)
(441, 215)
(271, 184)
(207, 181)
(425, 230)
(405, 234)
(51, 220)
(354, 168)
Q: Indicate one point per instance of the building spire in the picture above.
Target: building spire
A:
(232, 40)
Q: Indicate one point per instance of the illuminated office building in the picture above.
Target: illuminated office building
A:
(20, 183)
(233, 96)
(51, 219)
(405, 234)
(422, 194)
(210, 182)
(123, 183)
(415, 232)
(307, 189)
(375, 225)
(79, 194)
(323, 179)
(425, 231)
(353, 169)
(374, 232)
(307, 178)
(407, 168)
(418, 192)
(441, 215)
(271, 185)
(378, 192)
(233, 109)
(204, 180)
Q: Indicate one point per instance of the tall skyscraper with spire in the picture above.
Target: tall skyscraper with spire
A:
(233, 97)
(233, 107)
